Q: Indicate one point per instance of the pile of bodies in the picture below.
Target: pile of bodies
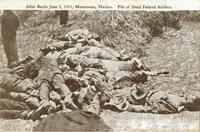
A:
(79, 72)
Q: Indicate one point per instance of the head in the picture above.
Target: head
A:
(80, 70)
(61, 58)
(96, 37)
(61, 61)
(136, 62)
(139, 64)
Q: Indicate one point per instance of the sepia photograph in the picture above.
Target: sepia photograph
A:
(106, 71)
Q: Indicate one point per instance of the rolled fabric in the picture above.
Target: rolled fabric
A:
(3, 93)
(9, 81)
(11, 104)
(10, 114)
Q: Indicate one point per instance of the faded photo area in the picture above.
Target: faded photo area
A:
(100, 71)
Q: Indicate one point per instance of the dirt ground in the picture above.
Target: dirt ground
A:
(175, 51)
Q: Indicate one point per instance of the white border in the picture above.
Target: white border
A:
(127, 4)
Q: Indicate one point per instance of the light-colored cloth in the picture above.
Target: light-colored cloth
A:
(96, 52)
(119, 99)
(120, 78)
(74, 60)
(114, 66)
(32, 101)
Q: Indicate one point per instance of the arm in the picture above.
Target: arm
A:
(149, 73)
(136, 108)
(23, 69)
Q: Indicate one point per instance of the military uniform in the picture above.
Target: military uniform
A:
(96, 52)
(49, 77)
(74, 60)
(164, 102)
(161, 102)
(128, 78)
(22, 90)
(92, 52)
(113, 66)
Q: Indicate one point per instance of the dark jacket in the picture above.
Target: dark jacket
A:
(10, 23)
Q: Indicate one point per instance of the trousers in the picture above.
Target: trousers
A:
(10, 47)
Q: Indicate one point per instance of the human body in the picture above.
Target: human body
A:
(9, 25)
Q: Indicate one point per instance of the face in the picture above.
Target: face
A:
(62, 57)
(136, 65)
(63, 67)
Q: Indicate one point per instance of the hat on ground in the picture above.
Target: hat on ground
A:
(139, 92)
(117, 105)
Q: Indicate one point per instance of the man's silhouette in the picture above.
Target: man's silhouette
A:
(9, 25)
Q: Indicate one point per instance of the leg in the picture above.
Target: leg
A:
(44, 104)
(30, 100)
(33, 102)
(27, 86)
(13, 50)
(94, 107)
(98, 101)
(18, 96)
(66, 16)
(44, 92)
(63, 17)
(59, 83)
(6, 48)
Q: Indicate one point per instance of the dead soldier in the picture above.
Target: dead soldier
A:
(92, 52)
(20, 89)
(123, 79)
(162, 102)
(133, 65)
(136, 99)
(49, 77)
(17, 92)
(94, 80)
(75, 60)
(110, 66)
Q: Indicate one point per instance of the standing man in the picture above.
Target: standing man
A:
(63, 17)
(9, 25)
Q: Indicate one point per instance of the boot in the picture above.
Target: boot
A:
(68, 101)
(43, 109)
(94, 107)
(26, 114)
